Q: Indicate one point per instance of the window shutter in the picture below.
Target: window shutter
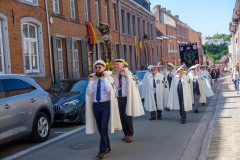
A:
(55, 52)
(84, 58)
(69, 58)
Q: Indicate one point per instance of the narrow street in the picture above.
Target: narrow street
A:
(165, 139)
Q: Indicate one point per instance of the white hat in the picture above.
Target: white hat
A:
(180, 68)
(197, 65)
(100, 62)
(193, 67)
(170, 64)
(121, 60)
(149, 67)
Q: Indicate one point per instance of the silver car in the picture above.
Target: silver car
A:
(25, 109)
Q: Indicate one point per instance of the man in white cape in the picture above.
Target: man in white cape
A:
(197, 87)
(207, 77)
(101, 107)
(129, 100)
(170, 74)
(154, 93)
(180, 92)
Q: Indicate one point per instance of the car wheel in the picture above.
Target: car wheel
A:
(82, 115)
(41, 128)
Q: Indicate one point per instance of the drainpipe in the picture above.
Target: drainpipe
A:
(49, 41)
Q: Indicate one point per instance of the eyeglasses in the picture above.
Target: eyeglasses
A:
(153, 69)
(98, 67)
(193, 69)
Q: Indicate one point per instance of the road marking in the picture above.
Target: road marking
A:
(59, 132)
(21, 153)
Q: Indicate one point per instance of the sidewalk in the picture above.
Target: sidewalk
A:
(224, 142)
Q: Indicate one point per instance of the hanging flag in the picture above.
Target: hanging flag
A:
(91, 34)
(189, 54)
(140, 47)
(150, 50)
(136, 47)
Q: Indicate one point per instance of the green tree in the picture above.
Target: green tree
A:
(224, 36)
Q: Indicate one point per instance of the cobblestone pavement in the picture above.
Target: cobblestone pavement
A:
(224, 141)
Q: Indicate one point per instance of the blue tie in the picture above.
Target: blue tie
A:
(180, 90)
(154, 83)
(98, 96)
(120, 85)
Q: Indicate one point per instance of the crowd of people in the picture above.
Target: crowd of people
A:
(113, 99)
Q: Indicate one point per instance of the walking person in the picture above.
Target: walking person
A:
(101, 107)
(180, 94)
(170, 74)
(129, 100)
(197, 86)
(235, 78)
(154, 93)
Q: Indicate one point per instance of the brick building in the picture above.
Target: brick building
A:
(137, 26)
(24, 40)
(167, 25)
(196, 37)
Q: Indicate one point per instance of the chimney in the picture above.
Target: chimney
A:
(177, 17)
(164, 9)
(169, 11)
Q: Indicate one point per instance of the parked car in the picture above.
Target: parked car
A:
(68, 97)
(25, 109)
(138, 75)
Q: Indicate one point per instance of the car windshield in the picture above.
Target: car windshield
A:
(140, 74)
(80, 86)
(60, 87)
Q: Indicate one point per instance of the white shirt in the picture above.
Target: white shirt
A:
(124, 86)
(235, 74)
(105, 89)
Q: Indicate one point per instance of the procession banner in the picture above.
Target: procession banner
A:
(189, 54)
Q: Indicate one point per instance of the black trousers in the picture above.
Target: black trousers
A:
(158, 112)
(127, 122)
(182, 111)
(102, 114)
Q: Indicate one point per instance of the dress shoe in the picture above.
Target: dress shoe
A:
(129, 139)
(159, 117)
(108, 150)
(100, 155)
(183, 122)
(151, 119)
(124, 138)
(202, 104)
(196, 111)
(167, 109)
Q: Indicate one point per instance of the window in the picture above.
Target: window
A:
(117, 51)
(76, 71)
(31, 48)
(114, 10)
(1, 50)
(56, 8)
(30, 2)
(129, 23)
(125, 52)
(131, 60)
(123, 21)
(86, 10)
(15, 87)
(59, 60)
(106, 10)
(144, 27)
(73, 9)
(97, 12)
(133, 25)
(139, 29)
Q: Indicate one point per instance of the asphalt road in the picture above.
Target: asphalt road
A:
(165, 139)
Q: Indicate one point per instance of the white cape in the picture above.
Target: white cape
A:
(173, 102)
(148, 92)
(114, 121)
(207, 86)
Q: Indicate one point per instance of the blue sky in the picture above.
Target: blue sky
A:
(205, 16)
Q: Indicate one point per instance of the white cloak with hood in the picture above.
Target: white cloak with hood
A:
(114, 121)
(173, 102)
(201, 84)
(149, 100)
(134, 102)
